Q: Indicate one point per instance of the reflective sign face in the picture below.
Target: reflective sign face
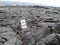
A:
(23, 23)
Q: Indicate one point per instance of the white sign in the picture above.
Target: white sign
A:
(23, 23)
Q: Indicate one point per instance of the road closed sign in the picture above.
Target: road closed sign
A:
(23, 23)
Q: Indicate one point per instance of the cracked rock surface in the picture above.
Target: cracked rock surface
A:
(43, 25)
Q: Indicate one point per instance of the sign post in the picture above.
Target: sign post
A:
(23, 25)
(24, 29)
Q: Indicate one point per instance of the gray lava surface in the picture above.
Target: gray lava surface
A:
(43, 25)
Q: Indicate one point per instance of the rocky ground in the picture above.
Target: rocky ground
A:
(43, 25)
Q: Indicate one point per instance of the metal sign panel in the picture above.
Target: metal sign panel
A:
(23, 23)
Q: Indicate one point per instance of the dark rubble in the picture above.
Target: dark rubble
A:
(43, 25)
